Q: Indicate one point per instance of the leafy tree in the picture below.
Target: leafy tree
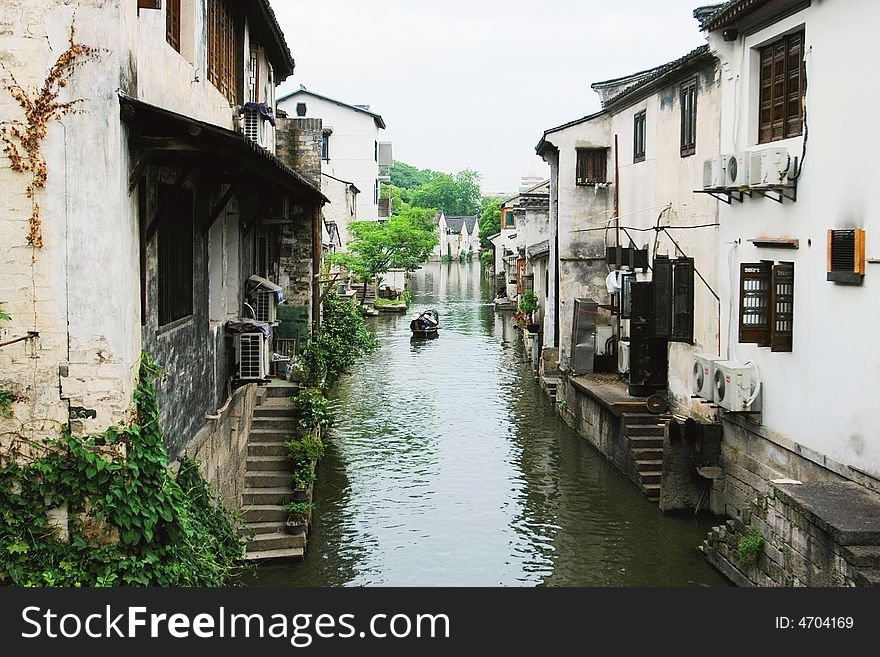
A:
(342, 338)
(403, 242)
(490, 219)
(400, 198)
(409, 177)
(456, 195)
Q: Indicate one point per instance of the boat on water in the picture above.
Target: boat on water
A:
(425, 324)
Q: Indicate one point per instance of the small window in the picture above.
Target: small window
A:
(639, 122)
(376, 193)
(325, 146)
(301, 109)
(674, 299)
(172, 24)
(767, 304)
(591, 166)
(175, 256)
(783, 82)
(509, 219)
(846, 256)
(689, 118)
(376, 151)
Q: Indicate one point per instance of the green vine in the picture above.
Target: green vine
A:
(22, 140)
(129, 521)
(750, 547)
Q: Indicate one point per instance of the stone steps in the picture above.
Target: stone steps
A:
(260, 513)
(652, 491)
(647, 454)
(630, 419)
(646, 466)
(645, 442)
(646, 430)
(278, 424)
(645, 433)
(279, 408)
(276, 541)
(288, 553)
(650, 477)
(267, 479)
(275, 448)
(259, 528)
(256, 464)
(277, 496)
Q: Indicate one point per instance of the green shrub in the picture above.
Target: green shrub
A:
(299, 508)
(303, 475)
(305, 448)
(750, 547)
(312, 410)
(528, 303)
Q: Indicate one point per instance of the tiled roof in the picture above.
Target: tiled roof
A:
(380, 122)
(730, 12)
(538, 250)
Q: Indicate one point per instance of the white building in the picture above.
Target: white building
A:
(156, 211)
(798, 279)
(352, 150)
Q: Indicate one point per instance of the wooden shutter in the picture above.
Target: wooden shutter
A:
(172, 24)
(846, 256)
(682, 300)
(149, 4)
(782, 86)
(663, 279)
(782, 307)
(754, 304)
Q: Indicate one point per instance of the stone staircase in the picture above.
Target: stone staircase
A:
(370, 299)
(550, 385)
(644, 434)
(268, 482)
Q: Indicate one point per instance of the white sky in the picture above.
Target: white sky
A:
(474, 83)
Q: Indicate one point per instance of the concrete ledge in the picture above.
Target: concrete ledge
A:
(610, 392)
(847, 511)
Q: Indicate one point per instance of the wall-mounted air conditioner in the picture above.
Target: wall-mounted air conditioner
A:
(771, 167)
(736, 170)
(266, 306)
(252, 126)
(702, 377)
(713, 173)
(734, 385)
(623, 356)
(252, 354)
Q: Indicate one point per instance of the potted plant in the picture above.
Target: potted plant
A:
(297, 516)
(303, 476)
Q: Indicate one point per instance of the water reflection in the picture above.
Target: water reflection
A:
(449, 467)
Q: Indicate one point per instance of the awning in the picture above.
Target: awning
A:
(161, 136)
(539, 250)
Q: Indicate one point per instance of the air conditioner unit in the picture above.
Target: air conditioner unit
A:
(252, 354)
(702, 377)
(623, 356)
(265, 306)
(252, 126)
(736, 170)
(771, 167)
(734, 384)
(713, 173)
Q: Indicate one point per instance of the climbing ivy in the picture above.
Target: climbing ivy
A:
(130, 522)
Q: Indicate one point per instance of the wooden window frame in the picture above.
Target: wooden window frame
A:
(223, 57)
(782, 83)
(175, 249)
(674, 299)
(766, 315)
(688, 99)
(149, 4)
(846, 256)
(592, 166)
(640, 129)
(172, 24)
(508, 212)
(325, 146)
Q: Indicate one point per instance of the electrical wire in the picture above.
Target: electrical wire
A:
(644, 230)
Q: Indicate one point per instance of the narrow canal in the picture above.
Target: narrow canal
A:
(448, 466)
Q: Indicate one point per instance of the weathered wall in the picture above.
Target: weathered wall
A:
(664, 183)
(86, 315)
(824, 393)
(342, 207)
(800, 547)
(220, 447)
(581, 215)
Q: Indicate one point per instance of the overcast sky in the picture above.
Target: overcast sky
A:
(474, 83)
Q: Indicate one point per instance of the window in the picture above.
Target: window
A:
(689, 118)
(325, 146)
(221, 49)
(783, 82)
(376, 151)
(674, 299)
(172, 24)
(175, 256)
(301, 109)
(376, 193)
(767, 304)
(509, 218)
(639, 136)
(591, 166)
(846, 256)
(254, 74)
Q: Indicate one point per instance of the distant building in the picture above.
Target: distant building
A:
(351, 149)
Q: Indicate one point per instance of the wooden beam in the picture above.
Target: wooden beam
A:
(161, 213)
(138, 170)
(217, 209)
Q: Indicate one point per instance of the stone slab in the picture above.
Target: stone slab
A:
(847, 511)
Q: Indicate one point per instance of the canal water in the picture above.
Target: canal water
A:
(448, 467)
